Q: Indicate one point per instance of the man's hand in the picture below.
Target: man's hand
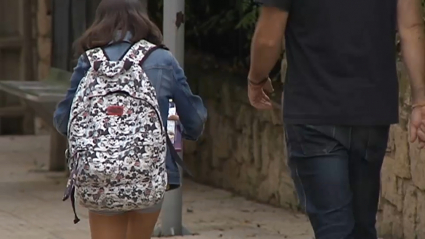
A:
(417, 126)
(258, 97)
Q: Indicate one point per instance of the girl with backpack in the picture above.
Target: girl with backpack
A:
(115, 115)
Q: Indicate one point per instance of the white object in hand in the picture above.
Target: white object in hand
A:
(171, 124)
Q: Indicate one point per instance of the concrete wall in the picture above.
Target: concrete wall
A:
(243, 150)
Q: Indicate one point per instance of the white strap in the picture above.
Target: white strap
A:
(96, 54)
(138, 51)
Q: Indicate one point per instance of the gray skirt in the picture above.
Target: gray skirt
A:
(153, 209)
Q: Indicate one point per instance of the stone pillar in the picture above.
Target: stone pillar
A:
(44, 50)
(44, 40)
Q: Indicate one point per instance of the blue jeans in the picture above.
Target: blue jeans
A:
(336, 171)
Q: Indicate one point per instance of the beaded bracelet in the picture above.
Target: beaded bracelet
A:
(258, 83)
(418, 105)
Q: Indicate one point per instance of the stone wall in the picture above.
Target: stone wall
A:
(243, 150)
(403, 178)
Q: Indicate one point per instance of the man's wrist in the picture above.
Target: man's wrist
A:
(418, 105)
(258, 82)
(418, 99)
(418, 95)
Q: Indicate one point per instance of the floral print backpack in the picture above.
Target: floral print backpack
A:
(117, 142)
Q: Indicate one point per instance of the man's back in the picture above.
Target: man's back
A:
(341, 95)
(341, 62)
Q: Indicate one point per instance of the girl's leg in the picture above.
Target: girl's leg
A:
(141, 224)
(103, 226)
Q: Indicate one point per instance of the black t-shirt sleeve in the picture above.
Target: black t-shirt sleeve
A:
(281, 4)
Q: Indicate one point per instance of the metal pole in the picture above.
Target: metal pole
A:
(171, 215)
(173, 30)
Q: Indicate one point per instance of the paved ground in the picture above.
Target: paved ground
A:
(31, 206)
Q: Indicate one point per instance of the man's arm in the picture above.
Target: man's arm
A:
(266, 44)
(411, 29)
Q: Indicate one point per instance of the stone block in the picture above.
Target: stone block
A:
(391, 144)
(380, 203)
(404, 95)
(409, 212)
(272, 148)
(417, 165)
(392, 189)
(287, 195)
(204, 160)
(276, 117)
(243, 150)
(226, 108)
(249, 180)
(266, 149)
(222, 139)
(244, 117)
(391, 226)
(256, 143)
(401, 152)
(269, 116)
(231, 172)
(271, 183)
(420, 214)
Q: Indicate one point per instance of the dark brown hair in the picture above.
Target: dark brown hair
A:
(114, 16)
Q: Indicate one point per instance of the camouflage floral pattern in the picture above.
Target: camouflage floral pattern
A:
(117, 142)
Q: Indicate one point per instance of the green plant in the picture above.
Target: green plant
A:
(249, 13)
(223, 28)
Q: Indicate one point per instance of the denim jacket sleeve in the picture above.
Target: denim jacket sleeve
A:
(61, 115)
(190, 107)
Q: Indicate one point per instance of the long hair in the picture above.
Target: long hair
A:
(118, 16)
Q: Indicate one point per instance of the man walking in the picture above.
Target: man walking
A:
(341, 96)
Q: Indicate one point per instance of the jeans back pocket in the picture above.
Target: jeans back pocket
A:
(310, 140)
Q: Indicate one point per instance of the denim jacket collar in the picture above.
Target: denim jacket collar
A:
(118, 36)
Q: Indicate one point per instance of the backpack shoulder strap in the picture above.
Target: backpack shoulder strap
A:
(96, 54)
(140, 51)
(175, 156)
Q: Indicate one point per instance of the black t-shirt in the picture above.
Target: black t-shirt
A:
(341, 62)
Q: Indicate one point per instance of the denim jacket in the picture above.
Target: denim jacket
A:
(169, 82)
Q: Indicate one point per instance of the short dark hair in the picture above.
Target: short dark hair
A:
(114, 16)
